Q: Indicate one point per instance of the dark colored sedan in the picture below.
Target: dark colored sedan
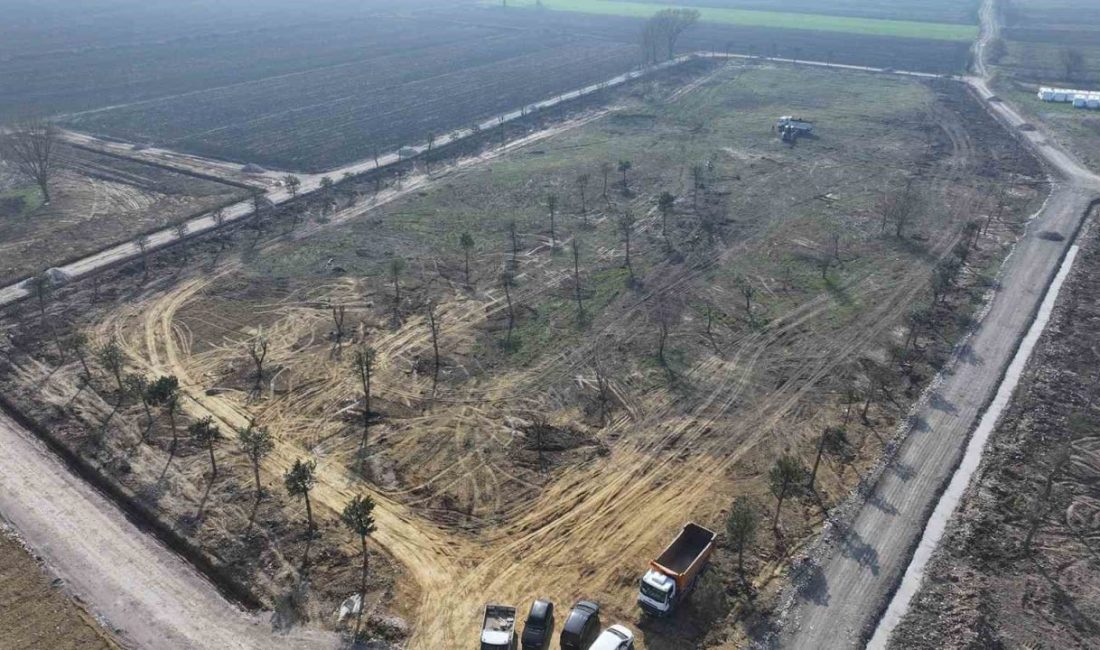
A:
(539, 626)
(581, 627)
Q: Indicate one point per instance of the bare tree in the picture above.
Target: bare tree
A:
(603, 388)
(577, 278)
(434, 330)
(257, 347)
(667, 312)
(293, 184)
(665, 203)
(663, 29)
(582, 189)
(142, 244)
(338, 313)
(172, 407)
(834, 442)
(1072, 62)
(218, 215)
(396, 266)
(697, 173)
(505, 281)
(32, 148)
(467, 243)
(364, 369)
(551, 207)
(515, 246)
(41, 287)
(626, 228)
(675, 22)
(747, 292)
(180, 230)
(624, 167)
(605, 170)
(899, 208)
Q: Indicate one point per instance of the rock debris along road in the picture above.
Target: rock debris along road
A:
(145, 592)
(861, 562)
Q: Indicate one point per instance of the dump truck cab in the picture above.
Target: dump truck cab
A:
(657, 593)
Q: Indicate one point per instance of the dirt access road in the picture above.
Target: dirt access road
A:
(148, 596)
(860, 561)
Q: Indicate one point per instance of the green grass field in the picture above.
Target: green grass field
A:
(786, 20)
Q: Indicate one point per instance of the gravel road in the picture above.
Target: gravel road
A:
(146, 594)
(862, 565)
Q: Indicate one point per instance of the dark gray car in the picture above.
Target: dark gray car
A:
(539, 626)
(581, 627)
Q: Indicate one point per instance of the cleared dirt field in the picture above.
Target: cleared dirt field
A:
(562, 444)
(97, 200)
(1017, 566)
(35, 613)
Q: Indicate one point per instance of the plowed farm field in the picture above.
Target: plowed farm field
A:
(317, 119)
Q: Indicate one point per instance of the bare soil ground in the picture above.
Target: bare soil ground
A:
(466, 498)
(986, 587)
(99, 200)
(35, 611)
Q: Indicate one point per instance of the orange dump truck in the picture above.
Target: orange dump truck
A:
(672, 576)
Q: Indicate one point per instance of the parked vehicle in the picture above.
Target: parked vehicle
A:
(581, 626)
(498, 632)
(539, 626)
(616, 637)
(672, 576)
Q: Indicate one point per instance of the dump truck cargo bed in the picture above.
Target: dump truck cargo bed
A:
(692, 542)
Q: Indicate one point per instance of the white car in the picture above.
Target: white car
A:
(616, 637)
